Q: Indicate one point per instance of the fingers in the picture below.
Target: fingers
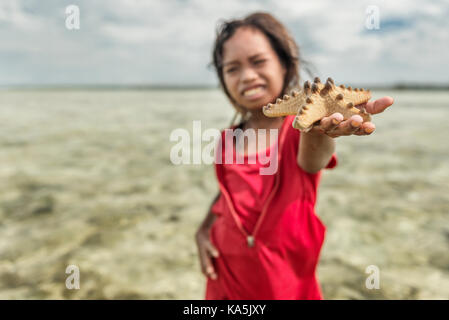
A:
(334, 126)
(351, 125)
(207, 251)
(207, 267)
(379, 105)
(346, 127)
(211, 249)
(331, 122)
(365, 129)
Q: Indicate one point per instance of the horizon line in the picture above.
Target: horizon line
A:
(162, 86)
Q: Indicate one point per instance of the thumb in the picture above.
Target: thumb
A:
(379, 105)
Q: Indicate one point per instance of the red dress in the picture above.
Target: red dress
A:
(266, 231)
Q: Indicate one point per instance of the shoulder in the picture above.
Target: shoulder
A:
(231, 128)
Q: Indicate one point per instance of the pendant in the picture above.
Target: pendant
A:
(250, 240)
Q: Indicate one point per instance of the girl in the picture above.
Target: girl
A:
(261, 238)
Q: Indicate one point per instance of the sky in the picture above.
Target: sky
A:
(169, 42)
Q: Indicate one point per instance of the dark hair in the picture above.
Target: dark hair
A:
(280, 39)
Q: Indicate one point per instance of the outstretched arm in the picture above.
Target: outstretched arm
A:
(317, 146)
(315, 150)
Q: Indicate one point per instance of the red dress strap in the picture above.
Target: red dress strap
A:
(225, 195)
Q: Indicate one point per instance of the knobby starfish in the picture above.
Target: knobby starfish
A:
(320, 100)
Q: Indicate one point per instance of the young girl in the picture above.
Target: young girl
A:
(261, 238)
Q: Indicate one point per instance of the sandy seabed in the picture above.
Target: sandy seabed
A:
(86, 180)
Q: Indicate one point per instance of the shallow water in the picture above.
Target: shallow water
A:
(86, 179)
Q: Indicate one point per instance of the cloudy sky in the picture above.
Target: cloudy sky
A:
(169, 42)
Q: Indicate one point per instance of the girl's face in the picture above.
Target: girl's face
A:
(252, 71)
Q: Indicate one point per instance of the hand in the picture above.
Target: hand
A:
(207, 252)
(334, 126)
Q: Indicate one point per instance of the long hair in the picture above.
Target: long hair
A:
(280, 39)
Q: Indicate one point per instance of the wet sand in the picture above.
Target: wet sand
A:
(86, 179)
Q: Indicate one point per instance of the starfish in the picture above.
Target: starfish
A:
(319, 100)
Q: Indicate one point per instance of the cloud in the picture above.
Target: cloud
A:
(170, 42)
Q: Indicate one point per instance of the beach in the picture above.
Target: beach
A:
(86, 179)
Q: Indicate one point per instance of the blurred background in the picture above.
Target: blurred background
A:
(86, 115)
